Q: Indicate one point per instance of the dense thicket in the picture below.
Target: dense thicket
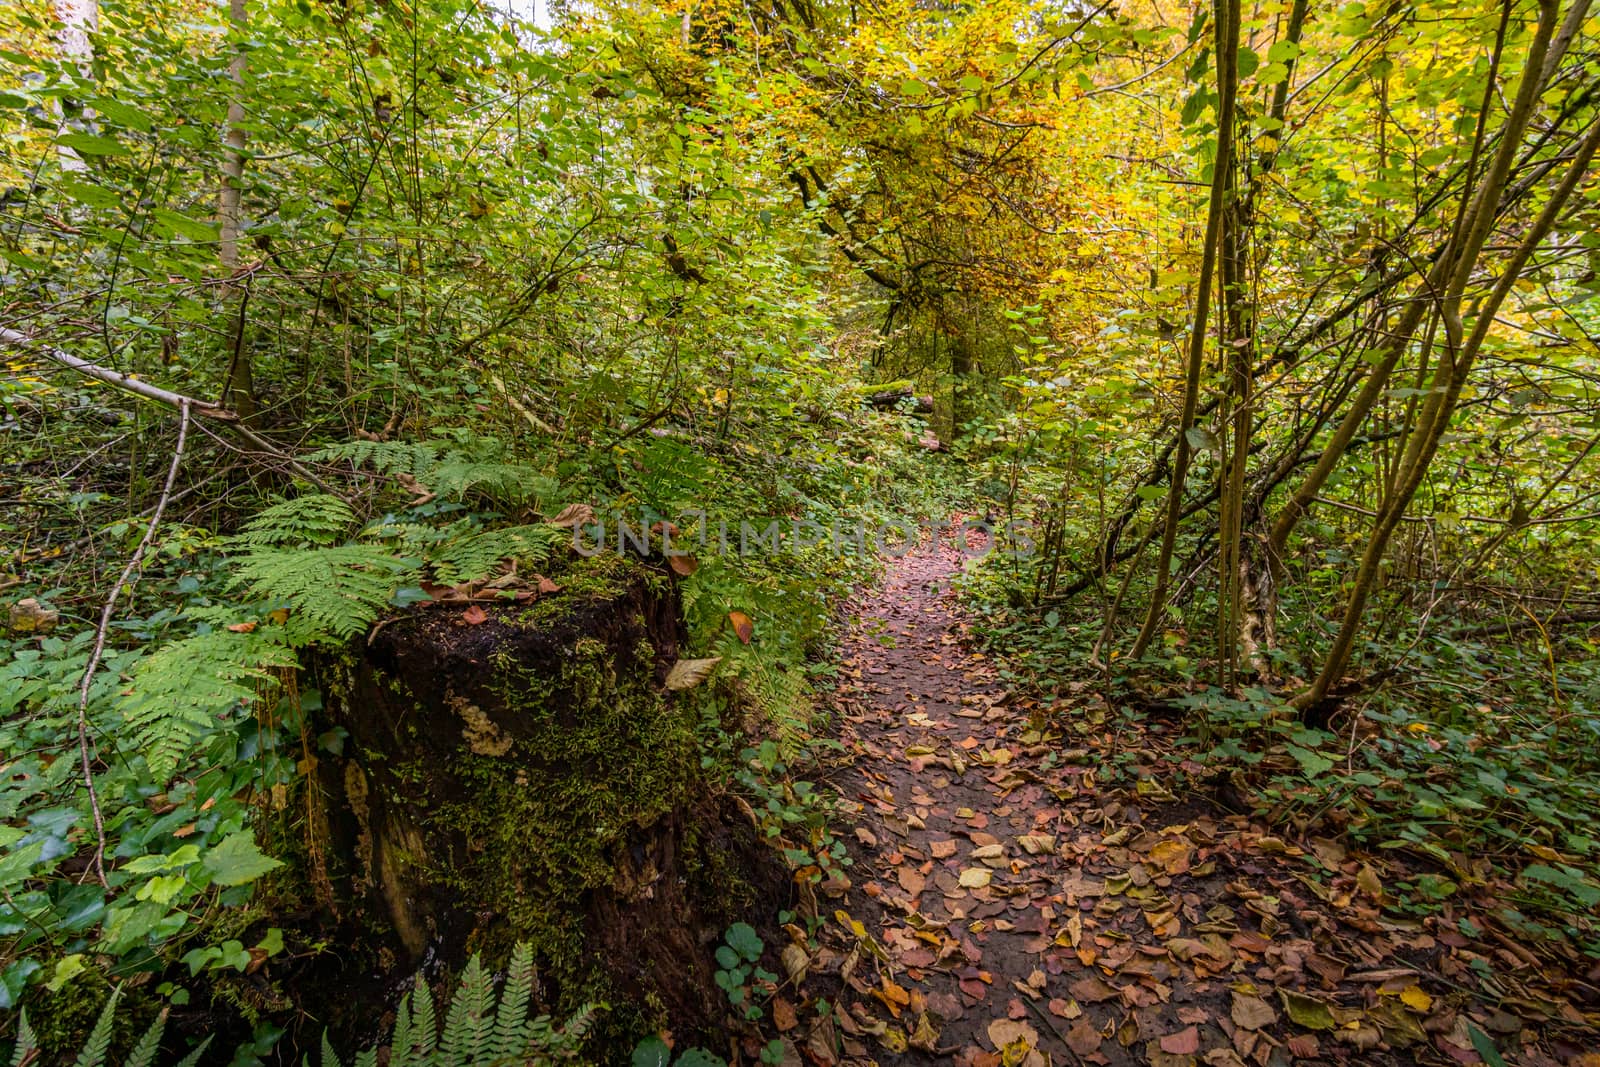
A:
(1272, 326)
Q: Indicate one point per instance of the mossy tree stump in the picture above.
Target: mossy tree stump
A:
(530, 778)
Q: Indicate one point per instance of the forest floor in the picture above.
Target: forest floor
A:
(1009, 905)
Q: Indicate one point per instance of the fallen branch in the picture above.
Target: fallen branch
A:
(99, 859)
(129, 384)
(1508, 627)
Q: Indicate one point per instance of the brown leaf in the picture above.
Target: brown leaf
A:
(1303, 1046)
(242, 627)
(1092, 990)
(683, 564)
(1185, 1042)
(474, 615)
(1084, 1038)
(688, 673)
(742, 626)
(573, 516)
(783, 1015)
(1251, 1012)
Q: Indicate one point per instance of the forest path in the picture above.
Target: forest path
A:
(1006, 908)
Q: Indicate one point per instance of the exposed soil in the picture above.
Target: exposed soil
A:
(1016, 908)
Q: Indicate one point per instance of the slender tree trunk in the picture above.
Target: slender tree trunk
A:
(1455, 362)
(78, 18)
(238, 387)
(1226, 17)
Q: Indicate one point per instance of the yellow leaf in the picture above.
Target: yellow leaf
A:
(1414, 998)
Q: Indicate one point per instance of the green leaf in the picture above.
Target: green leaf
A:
(1308, 1012)
(651, 1052)
(743, 939)
(88, 144)
(236, 860)
(1484, 1046)
(1248, 62)
(913, 88)
(88, 194)
(122, 114)
(183, 225)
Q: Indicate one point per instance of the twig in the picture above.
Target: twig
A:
(144, 389)
(100, 639)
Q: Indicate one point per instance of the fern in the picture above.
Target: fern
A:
(144, 1053)
(386, 457)
(332, 592)
(469, 558)
(466, 1026)
(477, 1033)
(26, 1042)
(510, 482)
(94, 1050)
(313, 519)
(447, 472)
(511, 1019)
(180, 691)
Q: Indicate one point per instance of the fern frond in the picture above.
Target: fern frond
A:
(465, 1028)
(26, 1042)
(181, 690)
(472, 557)
(424, 1019)
(333, 592)
(456, 476)
(313, 519)
(144, 1053)
(386, 457)
(511, 1019)
(330, 1058)
(93, 1053)
(194, 1056)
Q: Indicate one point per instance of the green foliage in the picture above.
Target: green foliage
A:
(331, 593)
(179, 690)
(483, 1028)
(310, 519)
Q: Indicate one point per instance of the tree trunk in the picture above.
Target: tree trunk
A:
(238, 387)
(1455, 362)
(78, 18)
(1227, 46)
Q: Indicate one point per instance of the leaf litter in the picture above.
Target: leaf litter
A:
(1008, 907)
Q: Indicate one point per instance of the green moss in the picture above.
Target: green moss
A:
(599, 752)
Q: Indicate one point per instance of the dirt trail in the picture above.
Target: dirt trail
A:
(1012, 910)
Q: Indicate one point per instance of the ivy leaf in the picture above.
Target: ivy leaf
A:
(651, 1052)
(236, 860)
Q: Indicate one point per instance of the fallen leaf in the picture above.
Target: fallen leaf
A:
(242, 627)
(925, 1037)
(742, 626)
(1308, 1012)
(975, 878)
(1251, 1012)
(1414, 998)
(1092, 989)
(783, 1015)
(1185, 1042)
(682, 564)
(688, 673)
(1084, 1038)
(573, 516)
(474, 615)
